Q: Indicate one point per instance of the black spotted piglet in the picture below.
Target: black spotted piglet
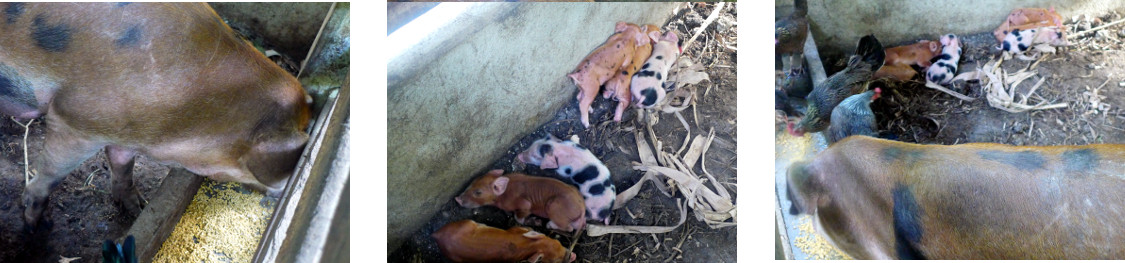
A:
(1019, 41)
(944, 67)
(648, 83)
(584, 170)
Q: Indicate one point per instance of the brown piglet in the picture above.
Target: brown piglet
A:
(528, 195)
(898, 59)
(603, 64)
(469, 241)
(168, 80)
(914, 54)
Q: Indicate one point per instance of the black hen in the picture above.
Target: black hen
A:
(853, 117)
(119, 253)
(789, 33)
(852, 80)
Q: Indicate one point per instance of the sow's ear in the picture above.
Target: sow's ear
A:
(273, 158)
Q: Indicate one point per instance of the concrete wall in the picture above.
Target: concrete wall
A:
(492, 82)
(291, 27)
(838, 25)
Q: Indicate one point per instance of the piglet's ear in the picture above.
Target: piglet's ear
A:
(549, 161)
(535, 258)
(533, 235)
(933, 46)
(574, 138)
(500, 185)
(620, 27)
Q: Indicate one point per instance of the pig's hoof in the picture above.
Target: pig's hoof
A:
(130, 206)
(32, 212)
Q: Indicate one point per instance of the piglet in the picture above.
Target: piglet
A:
(897, 63)
(527, 195)
(603, 64)
(583, 169)
(896, 72)
(469, 241)
(618, 87)
(1018, 42)
(945, 66)
(1028, 18)
(914, 54)
(648, 84)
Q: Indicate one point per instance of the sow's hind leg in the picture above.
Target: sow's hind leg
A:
(63, 150)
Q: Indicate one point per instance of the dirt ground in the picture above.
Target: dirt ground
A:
(615, 145)
(1093, 64)
(81, 216)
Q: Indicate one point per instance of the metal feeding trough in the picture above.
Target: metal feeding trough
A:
(310, 222)
(797, 235)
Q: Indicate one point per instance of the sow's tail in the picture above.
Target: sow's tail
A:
(870, 52)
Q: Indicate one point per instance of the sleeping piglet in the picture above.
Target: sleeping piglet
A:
(897, 63)
(469, 241)
(1019, 41)
(603, 64)
(527, 195)
(618, 87)
(944, 68)
(1028, 18)
(583, 168)
(648, 84)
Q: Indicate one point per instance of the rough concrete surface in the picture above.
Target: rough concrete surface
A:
(461, 111)
(838, 25)
(291, 27)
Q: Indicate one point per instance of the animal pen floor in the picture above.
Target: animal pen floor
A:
(1089, 76)
(614, 144)
(81, 214)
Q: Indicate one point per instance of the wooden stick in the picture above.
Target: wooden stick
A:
(1095, 29)
(710, 18)
(26, 164)
(950, 92)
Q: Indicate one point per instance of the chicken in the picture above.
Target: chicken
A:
(789, 35)
(853, 117)
(794, 84)
(781, 102)
(852, 80)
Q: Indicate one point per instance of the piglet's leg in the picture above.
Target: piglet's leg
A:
(610, 88)
(558, 215)
(584, 108)
(624, 97)
(121, 170)
(523, 211)
(620, 110)
(63, 151)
